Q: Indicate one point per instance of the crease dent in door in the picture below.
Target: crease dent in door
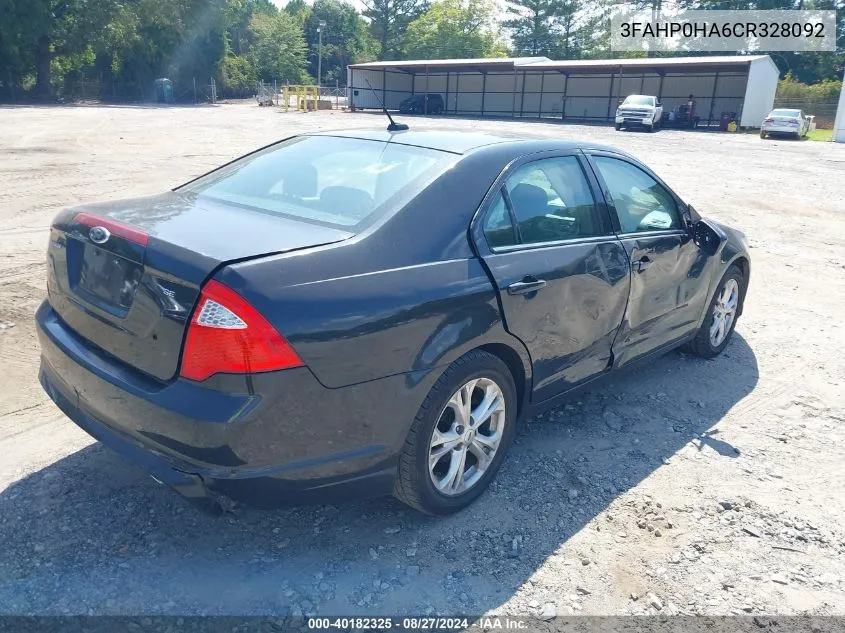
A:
(599, 299)
(569, 325)
(666, 297)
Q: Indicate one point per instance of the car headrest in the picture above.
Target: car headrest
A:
(528, 199)
(354, 202)
(302, 181)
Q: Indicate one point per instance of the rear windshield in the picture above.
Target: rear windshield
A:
(639, 100)
(794, 113)
(339, 182)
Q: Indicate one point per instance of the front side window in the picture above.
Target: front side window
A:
(552, 201)
(340, 182)
(641, 203)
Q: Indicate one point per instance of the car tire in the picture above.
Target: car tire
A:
(618, 126)
(415, 479)
(762, 134)
(649, 128)
(704, 344)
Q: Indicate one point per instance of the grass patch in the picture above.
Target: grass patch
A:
(820, 135)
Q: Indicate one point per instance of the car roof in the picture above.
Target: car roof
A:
(458, 142)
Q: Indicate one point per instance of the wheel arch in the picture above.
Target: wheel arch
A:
(516, 360)
(517, 366)
(742, 262)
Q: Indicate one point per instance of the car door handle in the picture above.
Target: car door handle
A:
(641, 264)
(528, 284)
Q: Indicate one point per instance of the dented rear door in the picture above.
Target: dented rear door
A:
(564, 298)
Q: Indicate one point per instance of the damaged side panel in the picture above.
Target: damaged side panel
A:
(568, 324)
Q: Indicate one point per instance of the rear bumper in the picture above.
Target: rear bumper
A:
(780, 129)
(276, 438)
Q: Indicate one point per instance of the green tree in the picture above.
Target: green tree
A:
(277, 48)
(298, 9)
(19, 27)
(532, 25)
(573, 30)
(389, 20)
(455, 28)
(34, 33)
(346, 39)
(790, 89)
(546, 27)
(237, 76)
(238, 16)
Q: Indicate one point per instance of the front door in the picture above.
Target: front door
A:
(667, 294)
(562, 275)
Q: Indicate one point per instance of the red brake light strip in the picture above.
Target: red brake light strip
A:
(115, 228)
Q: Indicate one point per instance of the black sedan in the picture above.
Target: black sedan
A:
(423, 104)
(364, 313)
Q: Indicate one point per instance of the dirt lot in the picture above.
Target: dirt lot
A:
(690, 486)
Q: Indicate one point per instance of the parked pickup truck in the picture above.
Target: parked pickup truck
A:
(639, 111)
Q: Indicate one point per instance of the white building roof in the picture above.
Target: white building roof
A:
(573, 65)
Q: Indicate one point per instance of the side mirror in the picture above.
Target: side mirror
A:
(708, 236)
(659, 104)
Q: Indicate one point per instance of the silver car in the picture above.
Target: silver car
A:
(785, 121)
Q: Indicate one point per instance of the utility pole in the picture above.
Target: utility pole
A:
(320, 28)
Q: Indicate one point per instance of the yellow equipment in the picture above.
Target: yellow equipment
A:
(306, 97)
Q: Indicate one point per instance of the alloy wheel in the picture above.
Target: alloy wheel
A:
(467, 436)
(724, 312)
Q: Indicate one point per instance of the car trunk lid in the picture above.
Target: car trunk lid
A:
(126, 275)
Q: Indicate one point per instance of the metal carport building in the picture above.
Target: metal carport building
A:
(574, 90)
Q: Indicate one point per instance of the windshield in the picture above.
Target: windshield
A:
(794, 113)
(638, 100)
(339, 182)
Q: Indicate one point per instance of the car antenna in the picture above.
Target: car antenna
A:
(394, 126)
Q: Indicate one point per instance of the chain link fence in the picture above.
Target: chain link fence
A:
(824, 111)
(193, 90)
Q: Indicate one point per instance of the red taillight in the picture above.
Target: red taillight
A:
(227, 335)
(115, 228)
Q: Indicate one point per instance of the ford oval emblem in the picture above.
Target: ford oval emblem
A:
(99, 235)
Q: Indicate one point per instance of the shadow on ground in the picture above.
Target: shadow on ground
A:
(90, 533)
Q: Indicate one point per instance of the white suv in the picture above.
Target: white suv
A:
(639, 110)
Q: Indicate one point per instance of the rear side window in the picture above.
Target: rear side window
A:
(641, 203)
(340, 182)
(550, 200)
(498, 228)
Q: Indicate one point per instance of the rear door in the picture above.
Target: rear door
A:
(562, 275)
(667, 290)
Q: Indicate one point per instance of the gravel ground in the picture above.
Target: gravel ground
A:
(687, 486)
